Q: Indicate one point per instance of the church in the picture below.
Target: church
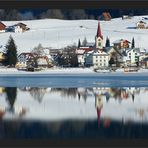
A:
(95, 56)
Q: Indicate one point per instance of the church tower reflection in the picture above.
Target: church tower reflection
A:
(99, 106)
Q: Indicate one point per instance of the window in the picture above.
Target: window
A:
(100, 57)
(129, 53)
(104, 60)
(129, 56)
(135, 53)
(96, 57)
(100, 60)
(99, 44)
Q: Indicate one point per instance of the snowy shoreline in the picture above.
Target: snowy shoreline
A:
(4, 72)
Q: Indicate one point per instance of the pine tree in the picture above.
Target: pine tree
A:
(133, 43)
(11, 52)
(79, 43)
(84, 42)
(107, 42)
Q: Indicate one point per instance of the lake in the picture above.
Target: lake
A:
(73, 107)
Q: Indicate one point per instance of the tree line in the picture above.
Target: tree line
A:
(67, 14)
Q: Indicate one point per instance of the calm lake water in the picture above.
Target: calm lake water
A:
(104, 110)
(42, 108)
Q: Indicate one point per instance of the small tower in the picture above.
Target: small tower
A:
(99, 38)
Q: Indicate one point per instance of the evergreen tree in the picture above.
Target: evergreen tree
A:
(11, 52)
(111, 61)
(79, 43)
(107, 42)
(133, 43)
(84, 43)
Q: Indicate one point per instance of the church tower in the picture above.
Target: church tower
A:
(99, 38)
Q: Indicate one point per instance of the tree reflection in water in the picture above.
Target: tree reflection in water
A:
(11, 94)
(37, 93)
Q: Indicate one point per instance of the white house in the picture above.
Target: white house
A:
(132, 55)
(100, 59)
(81, 57)
(142, 25)
(81, 54)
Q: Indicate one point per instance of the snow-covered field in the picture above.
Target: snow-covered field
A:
(59, 33)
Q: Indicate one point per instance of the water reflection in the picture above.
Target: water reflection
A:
(73, 110)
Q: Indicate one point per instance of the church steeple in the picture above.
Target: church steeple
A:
(99, 38)
(99, 31)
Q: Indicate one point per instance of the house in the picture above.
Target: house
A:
(97, 59)
(100, 59)
(19, 27)
(80, 52)
(144, 62)
(42, 61)
(132, 56)
(141, 25)
(25, 59)
(106, 16)
(120, 44)
(2, 56)
(2, 27)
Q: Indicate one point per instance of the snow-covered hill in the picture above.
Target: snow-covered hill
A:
(59, 33)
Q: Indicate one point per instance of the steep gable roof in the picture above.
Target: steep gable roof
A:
(99, 31)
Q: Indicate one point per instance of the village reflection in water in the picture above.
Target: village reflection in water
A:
(79, 107)
(100, 97)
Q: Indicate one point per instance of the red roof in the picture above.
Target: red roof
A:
(86, 49)
(99, 31)
(2, 26)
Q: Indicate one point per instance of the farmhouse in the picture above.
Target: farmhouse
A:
(43, 61)
(25, 59)
(105, 16)
(19, 27)
(120, 44)
(141, 25)
(2, 27)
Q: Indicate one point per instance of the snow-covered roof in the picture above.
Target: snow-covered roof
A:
(79, 51)
(119, 41)
(100, 53)
(130, 49)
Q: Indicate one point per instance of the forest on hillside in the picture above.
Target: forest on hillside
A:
(67, 14)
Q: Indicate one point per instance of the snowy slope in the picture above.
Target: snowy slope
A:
(59, 33)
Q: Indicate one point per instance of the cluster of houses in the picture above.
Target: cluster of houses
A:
(118, 55)
(34, 60)
(19, 27)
